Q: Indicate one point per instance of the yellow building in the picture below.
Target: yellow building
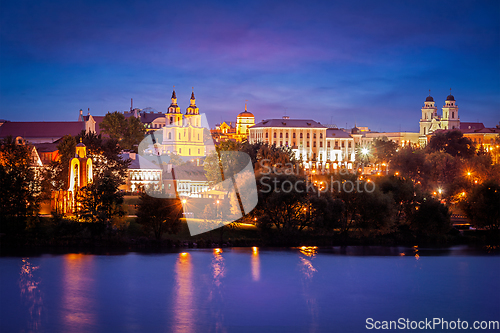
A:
(244, 120)
(183, 134)
(239, 132)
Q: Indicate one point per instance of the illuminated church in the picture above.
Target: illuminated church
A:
(183, 133)
(80, 175)
(431, 121)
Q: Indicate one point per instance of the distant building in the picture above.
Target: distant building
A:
(316, 145)
(431, 121)
(234, 131)
(45, 131)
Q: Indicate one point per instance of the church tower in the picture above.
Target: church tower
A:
(173, 115)
(429, 113)
(192, 112)
(80, 169)
(450, 120)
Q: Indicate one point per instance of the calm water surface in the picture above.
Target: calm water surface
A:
(246, 290)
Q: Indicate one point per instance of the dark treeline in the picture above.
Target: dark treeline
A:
(411, 203)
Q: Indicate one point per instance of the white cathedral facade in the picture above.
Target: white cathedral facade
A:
(431, 121)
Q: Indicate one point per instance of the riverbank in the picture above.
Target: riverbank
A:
(69, 236)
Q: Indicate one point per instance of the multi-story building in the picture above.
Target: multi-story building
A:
(314, 144)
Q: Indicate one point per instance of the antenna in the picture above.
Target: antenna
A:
(131, 104)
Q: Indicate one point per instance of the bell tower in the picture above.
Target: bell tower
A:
(450, 120)
(429, 112)
(192, 112)
(80, 169)
(173, 115)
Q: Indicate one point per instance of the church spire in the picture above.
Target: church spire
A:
(193, 99)
(174, 98)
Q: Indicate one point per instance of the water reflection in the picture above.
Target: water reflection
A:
(31, 294)
(255, 264)
(216, 297)
(78, 286)
(415, 250)
(308, 272)
(183, 299)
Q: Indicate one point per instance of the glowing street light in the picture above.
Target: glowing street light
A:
(364, 151)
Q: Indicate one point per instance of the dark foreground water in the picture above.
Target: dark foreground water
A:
(247, 290)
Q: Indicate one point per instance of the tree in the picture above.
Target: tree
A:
(282, 199)
(482, 205)
(453, 143)
(159, 215)
(404, 194)
(59, 169)
(410, 163)
(128, 132)
(431, 218)
(19, 188)
(375, 212)
(100, 201)
(383, 150)
(105, 154)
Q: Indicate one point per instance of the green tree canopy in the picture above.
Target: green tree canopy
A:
(19, 189)
(159, 215)
(482, 205)
(128, 132)
(453, 143)
(383, 150)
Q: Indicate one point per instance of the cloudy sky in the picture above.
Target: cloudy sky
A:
(369, 62)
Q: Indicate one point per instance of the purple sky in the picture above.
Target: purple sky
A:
(369, 62)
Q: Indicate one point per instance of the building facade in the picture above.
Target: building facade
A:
(315, 145)
(431, 121)
(234, 131)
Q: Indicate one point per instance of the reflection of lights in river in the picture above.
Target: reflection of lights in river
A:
(78, 288)
(309, 251)
(255, 264)
(218, 267)
(415, 249)
(183, 296)
(31, 294)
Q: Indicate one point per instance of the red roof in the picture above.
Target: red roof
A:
(41, 129)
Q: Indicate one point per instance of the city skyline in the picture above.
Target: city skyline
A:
(366, 63)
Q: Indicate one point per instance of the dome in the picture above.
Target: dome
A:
(245, 114)
(450, 98)
(429, 99)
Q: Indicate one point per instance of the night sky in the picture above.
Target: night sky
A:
(369, 62)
